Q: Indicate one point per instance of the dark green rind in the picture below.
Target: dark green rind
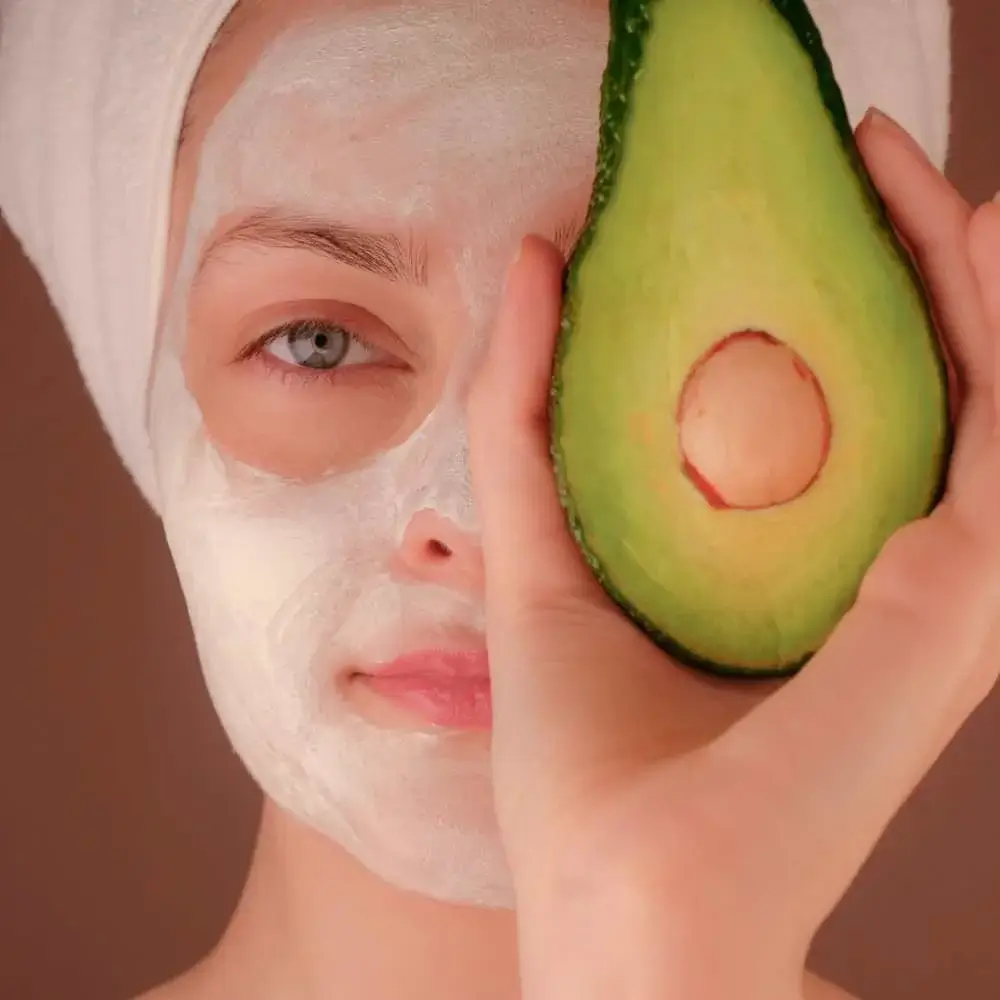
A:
(630, 24)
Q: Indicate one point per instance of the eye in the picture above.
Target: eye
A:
(318, 345)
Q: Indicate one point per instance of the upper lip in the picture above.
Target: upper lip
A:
(454, 656)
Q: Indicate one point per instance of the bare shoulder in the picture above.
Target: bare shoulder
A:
(164, 992)
(815, 989)
(169, 991)
(186, 987)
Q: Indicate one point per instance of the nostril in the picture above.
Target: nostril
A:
(437, 550)
(434, 550)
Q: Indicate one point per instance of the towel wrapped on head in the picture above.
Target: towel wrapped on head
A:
(92, 96)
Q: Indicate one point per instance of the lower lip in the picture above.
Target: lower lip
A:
(440, 689)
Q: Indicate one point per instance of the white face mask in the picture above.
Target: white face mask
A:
(288, 584)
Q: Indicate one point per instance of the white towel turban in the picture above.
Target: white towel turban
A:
(92, 94)
(92, 97)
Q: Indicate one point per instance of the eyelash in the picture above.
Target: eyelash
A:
(299, 373)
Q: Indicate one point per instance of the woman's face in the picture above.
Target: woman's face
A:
(356, 178)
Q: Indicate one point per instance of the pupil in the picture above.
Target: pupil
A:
(315, 347)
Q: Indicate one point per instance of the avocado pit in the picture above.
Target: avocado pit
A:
(754, 426)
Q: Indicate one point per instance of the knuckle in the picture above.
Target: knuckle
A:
(905, 567)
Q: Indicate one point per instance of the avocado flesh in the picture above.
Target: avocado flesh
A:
(730, 197)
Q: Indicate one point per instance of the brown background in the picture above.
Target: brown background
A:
(126, 822)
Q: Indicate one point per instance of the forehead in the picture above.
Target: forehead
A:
(247, 33)
(255, 25)
(489, 87)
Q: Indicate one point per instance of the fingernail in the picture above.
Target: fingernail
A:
(867, 118)
(877, 118)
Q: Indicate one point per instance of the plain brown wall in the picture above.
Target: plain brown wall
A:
(125, 821)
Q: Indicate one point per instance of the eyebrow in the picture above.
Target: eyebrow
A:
(381, 254)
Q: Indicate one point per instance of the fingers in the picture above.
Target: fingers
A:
(838, 750)
(933, 220)
(984, 250)
(531, 559)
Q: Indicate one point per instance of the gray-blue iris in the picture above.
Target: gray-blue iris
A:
(317, 345)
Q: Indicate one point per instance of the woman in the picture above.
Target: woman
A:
(305, 334)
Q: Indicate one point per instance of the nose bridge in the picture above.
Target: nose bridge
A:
(444, 468)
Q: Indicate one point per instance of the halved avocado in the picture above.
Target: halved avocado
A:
(749, 395)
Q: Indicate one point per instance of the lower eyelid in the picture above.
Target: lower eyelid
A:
(369, 372)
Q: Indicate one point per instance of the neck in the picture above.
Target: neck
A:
(313, 924)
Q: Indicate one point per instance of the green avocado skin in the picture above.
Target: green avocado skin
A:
(631, 21)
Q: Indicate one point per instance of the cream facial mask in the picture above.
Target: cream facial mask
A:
(477, 118)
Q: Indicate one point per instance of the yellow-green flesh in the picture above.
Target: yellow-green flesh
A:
(737, 207)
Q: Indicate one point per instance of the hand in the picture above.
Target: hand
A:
(670, 834)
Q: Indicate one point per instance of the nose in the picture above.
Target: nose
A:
(435, 550)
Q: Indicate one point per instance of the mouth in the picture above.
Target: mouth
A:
(445, 688)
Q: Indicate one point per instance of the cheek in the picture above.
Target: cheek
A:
(304, 431)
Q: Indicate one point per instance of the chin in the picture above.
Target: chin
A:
(412, 803)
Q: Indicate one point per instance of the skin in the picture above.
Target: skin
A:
(314, 923)
(645, 863)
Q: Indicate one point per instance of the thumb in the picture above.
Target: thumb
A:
(578, 691)
(532, 559)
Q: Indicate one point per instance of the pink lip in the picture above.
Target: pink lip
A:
(444, 687)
